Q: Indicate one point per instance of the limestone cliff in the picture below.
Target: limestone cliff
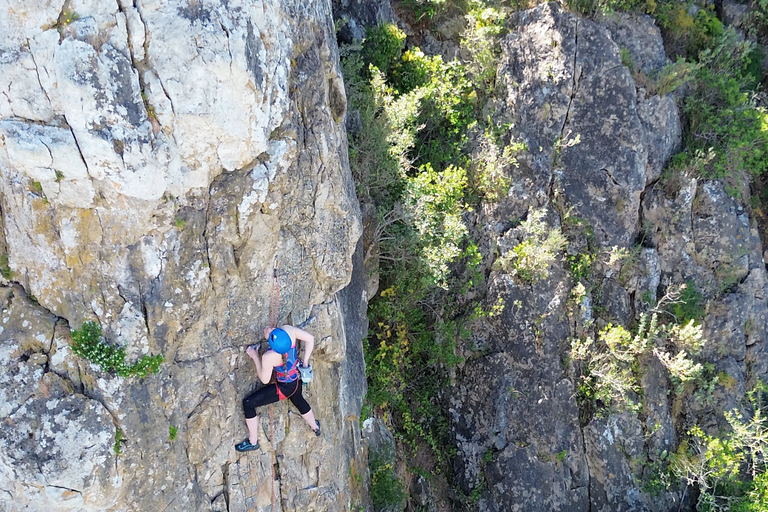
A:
(157, 161)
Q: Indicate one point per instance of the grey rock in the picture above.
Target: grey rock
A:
(663, 131)
(503, 402)
(561, 76)
(658, 418)
(734, 13)
(616, 301)
(610, 446)
(354, 16)
(642, 39)
(670, 231)
(563, 87)
(379, 440)
(421, 493)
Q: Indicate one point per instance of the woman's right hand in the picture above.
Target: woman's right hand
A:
(251, 351)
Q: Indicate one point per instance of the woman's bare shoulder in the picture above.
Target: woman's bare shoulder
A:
(272, 358)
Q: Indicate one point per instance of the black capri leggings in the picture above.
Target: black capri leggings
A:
(269, 395)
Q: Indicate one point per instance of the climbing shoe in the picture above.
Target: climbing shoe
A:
(246, 446)
(317, 431)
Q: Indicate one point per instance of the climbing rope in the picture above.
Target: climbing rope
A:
(272, 466)
(274, 316)
(274, 302)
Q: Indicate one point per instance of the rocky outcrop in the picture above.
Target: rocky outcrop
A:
(158, 160)
(596, 146)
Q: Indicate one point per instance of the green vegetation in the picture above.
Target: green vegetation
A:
(730, 469)
(386, 489)
(118, 442)
(725, 133)
(428, 156)
(687, 308)
(67, 16)
(179, 222)
(5, 268)
(172, 432)
(541, 245)
(607, 368)
(89, 344)
(411, 160)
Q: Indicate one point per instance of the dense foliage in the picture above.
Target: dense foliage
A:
(427, 154)
(89, 344)
(411, 159)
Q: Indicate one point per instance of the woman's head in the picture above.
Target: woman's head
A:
(279, 340)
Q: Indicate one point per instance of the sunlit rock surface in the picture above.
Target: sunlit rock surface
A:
(158, 161)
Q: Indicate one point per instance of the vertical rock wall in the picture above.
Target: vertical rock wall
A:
(157, 160)
(596, 146)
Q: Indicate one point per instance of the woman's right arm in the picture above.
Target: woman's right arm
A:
(264, 364)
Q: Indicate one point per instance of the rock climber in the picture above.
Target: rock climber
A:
(282, 358)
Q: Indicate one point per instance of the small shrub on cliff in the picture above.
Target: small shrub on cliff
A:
(730, 469)
(5, 268)
(485, 27)
(593, 8)
(424, 9)
(383, 46)
(607, 368)
(541, 245)
(386, 489)
(89, 344)
(118, 446)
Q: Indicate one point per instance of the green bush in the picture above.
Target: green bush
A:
(688, 307)
(383, 46)
(757, 23)
(386, 488)
(725, 133)
(424, 9)
(593, 8)
(729, 469)
(5, 268)
(756, 497)
(89, 344)
(413, 70)
(607, 368)
(541, 245)
(435, 205)
(485, 27)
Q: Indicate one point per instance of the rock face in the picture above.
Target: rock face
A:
(596, 147)
(158, 160)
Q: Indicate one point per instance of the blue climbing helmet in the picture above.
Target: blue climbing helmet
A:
(280, 341)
